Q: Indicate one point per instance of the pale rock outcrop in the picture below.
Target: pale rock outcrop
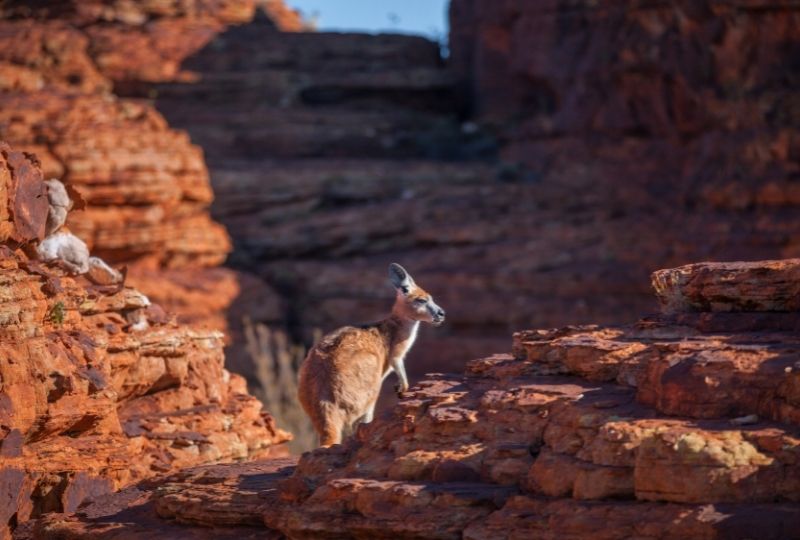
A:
(60, 205)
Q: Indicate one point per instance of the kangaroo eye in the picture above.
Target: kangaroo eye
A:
(420, 302)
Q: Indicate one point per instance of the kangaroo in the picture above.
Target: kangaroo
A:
(341, 377)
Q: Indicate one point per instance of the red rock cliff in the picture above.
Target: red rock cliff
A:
(89, 401)
(145, 185)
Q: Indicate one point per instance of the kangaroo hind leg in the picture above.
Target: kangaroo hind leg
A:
(331, 427)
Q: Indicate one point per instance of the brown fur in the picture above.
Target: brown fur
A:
(342, 375)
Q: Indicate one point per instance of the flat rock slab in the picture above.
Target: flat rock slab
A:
(525, 517)
(212, 502)
(673, 364)
(362, 508)
(222, 495)
(730, 286)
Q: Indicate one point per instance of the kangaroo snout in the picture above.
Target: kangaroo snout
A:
(438, 316)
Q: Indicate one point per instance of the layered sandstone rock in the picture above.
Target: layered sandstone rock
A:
(760, 286)
(145, 186)
(132, 42)
(621, 149)
(689, 103)
(98, 389)
(668, 428)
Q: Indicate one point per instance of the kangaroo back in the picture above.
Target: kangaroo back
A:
(341, 377)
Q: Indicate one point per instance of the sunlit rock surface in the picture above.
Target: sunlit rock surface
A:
(99, 389)
(674, 427)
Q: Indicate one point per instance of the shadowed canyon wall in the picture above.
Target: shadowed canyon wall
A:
(673, 119)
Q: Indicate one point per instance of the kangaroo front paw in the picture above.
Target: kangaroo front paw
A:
(400, 391)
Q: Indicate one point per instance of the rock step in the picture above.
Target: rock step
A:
(730, 286)
(420, 88)
(242, 497)
(245, 494)
(282, 190)
(526, 517)
(357, 507)
(677, 370)
(273, 132)
(568, 437)
(213, 502)
(252, 48)
(221, 495)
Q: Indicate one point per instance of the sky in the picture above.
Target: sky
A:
(426, 17)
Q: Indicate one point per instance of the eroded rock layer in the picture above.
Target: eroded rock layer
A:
(145, 186)
(98, 389)
(765, 286)
(670, 428)
(131, 42)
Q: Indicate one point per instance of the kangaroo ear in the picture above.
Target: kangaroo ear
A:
(400, 278)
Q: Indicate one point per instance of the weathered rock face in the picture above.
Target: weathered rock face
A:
(669, 428)
(696, 97)
(99, 390)
(131, 42)
(666, 128)
(145, 185)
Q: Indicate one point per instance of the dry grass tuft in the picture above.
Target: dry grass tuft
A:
(277, 361)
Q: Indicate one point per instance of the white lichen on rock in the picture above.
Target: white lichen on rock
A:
(66, 249)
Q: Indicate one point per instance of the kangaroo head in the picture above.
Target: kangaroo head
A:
(413, 302)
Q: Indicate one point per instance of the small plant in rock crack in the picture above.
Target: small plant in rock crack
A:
(57, 313)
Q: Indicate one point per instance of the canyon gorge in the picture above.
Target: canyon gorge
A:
(245, 171)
